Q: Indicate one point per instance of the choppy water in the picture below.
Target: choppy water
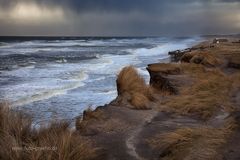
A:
(60, 78)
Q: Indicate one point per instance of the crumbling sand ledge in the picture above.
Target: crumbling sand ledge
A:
(190, 110)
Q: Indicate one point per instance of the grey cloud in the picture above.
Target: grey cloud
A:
(113, 5)
(131, 17)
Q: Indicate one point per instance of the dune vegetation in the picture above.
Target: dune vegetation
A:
(190, 143)
(204, 58)
(20, 141)
(132, 87)
(208, 94)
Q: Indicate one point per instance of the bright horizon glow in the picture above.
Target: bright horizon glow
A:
(30, 12)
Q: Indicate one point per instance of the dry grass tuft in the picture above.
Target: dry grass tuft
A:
(209, 93)
(139, 101)
(209, 60)
(18, 140)
(132, 87)
(206, 59)
(192, 69)
(129, 80)
(190, 143)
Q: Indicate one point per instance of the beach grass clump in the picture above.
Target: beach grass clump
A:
(19, 140)
(192, 69)
(209, 59)
(139, 101)
(204, 58)
(205, 97)
(190, 143)
(132, 86)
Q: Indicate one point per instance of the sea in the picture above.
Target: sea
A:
(54, 78)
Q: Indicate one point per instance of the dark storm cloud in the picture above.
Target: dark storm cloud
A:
(86, 5)
(120, 17)
(229, 1)
(116, 5)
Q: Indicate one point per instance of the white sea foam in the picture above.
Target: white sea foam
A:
(117, 62)
(96, 79)
(61, 61)
(159, 50)
(107, 92)
(143, 71)
(74, 83)
(30, 66)
(47, 94)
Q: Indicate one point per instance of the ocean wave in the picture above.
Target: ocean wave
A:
(75, 83)
(116, 62)
(159, 50)
(106, 92)
(62, 60)
(23, 60)
(80, 76)
(143, 71)
(65, 43)
(3, 44)
(98, 66)
(75, 72)
(96, 79)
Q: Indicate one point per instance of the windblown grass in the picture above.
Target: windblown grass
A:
(139, 100)
(193, 69)
(190, 143)
(19, 141)
(132, 87)
(204, 58)
(205, 97)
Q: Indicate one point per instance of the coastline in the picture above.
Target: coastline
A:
(96, 77)
(192, 109)
(142, 130)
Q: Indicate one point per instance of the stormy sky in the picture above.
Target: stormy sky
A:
(119, 17)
